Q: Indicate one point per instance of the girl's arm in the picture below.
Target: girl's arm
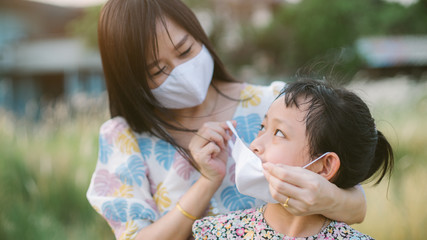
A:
(311, 193)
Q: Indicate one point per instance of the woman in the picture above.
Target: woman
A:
(311, 125)
(164, 81)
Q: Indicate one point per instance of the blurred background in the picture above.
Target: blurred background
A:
(53, 99)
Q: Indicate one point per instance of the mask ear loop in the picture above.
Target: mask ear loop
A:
(315, 160)
(233, 130)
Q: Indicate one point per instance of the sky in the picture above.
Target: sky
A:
(86, 3)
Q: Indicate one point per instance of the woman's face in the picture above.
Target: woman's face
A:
(175, 46)
(282, 138)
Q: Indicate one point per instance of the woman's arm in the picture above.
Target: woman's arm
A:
(208, 148)
(175, 225)
(310, 193)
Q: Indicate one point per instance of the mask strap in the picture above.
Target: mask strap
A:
(315, 160)
(230, 125)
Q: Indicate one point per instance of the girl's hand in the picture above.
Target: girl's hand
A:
(209, 149)
(308, 192)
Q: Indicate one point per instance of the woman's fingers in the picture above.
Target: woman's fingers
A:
(303, 187)
(281, 190)
(293, 175)
(213, 132)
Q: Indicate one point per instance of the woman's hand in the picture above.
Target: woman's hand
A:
(310, 193)
(209, 149)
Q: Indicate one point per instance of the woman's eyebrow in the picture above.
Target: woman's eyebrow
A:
(180, 43)
(177, 46)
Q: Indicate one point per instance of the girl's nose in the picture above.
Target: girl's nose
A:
(256, 146)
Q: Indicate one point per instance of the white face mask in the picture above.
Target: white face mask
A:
(250, 179)
(188, 83)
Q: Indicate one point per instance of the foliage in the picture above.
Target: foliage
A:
(86, 26)
(298, 34)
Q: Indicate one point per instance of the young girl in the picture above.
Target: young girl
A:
(310, 120)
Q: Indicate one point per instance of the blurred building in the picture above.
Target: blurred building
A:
(391, 55)
(39, 62)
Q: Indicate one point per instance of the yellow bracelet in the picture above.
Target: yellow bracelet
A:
(185, 213)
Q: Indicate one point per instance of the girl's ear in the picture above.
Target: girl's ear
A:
(329, 165)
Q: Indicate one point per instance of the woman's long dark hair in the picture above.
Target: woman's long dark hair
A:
(127, 35)
(337, 120)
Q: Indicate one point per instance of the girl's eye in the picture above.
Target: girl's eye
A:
(185, 53)
(279, 133)
(261, 128)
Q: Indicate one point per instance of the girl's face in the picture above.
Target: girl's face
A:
(175, 46)
(282, 138)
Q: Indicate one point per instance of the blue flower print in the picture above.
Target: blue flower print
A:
(132, 171)
(234, 200)
(138, 211)
(105, 150)
(164, 154)
(145, 147)
(115, 210)
(248, 127)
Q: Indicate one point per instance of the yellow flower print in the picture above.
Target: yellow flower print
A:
(97, 209)
(127, 142)
(161, 198)
(253, 95)
(124, 191)
(249, 235)
(130, 232)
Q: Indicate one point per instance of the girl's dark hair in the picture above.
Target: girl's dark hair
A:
(126, 36)
(337, 120)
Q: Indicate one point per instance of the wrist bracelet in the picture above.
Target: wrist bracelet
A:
(185, 213)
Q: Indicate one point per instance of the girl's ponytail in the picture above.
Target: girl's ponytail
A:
(383, 159)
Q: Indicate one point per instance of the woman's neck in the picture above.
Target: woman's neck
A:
(214, 108)
(284, 222)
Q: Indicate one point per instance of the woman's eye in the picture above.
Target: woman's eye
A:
(185, 53)
(279, 133)
(159, 72)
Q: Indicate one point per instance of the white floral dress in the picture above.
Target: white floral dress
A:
(139, 177)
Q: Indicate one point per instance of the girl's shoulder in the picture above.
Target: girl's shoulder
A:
(341, 230)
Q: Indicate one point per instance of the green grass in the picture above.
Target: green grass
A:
(45, 170)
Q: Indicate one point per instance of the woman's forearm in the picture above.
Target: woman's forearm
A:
(349, 205)
(175, 225)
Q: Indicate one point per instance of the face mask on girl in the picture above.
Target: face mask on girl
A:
(250, 179)
(188, 83)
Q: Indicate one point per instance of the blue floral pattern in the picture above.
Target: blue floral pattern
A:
(164, 154)
(234, 200)
(105, 150)
(133, 171)
(248, 126)
(115, 210)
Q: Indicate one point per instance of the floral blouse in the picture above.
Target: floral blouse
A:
(250, 224)
(139, 177)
